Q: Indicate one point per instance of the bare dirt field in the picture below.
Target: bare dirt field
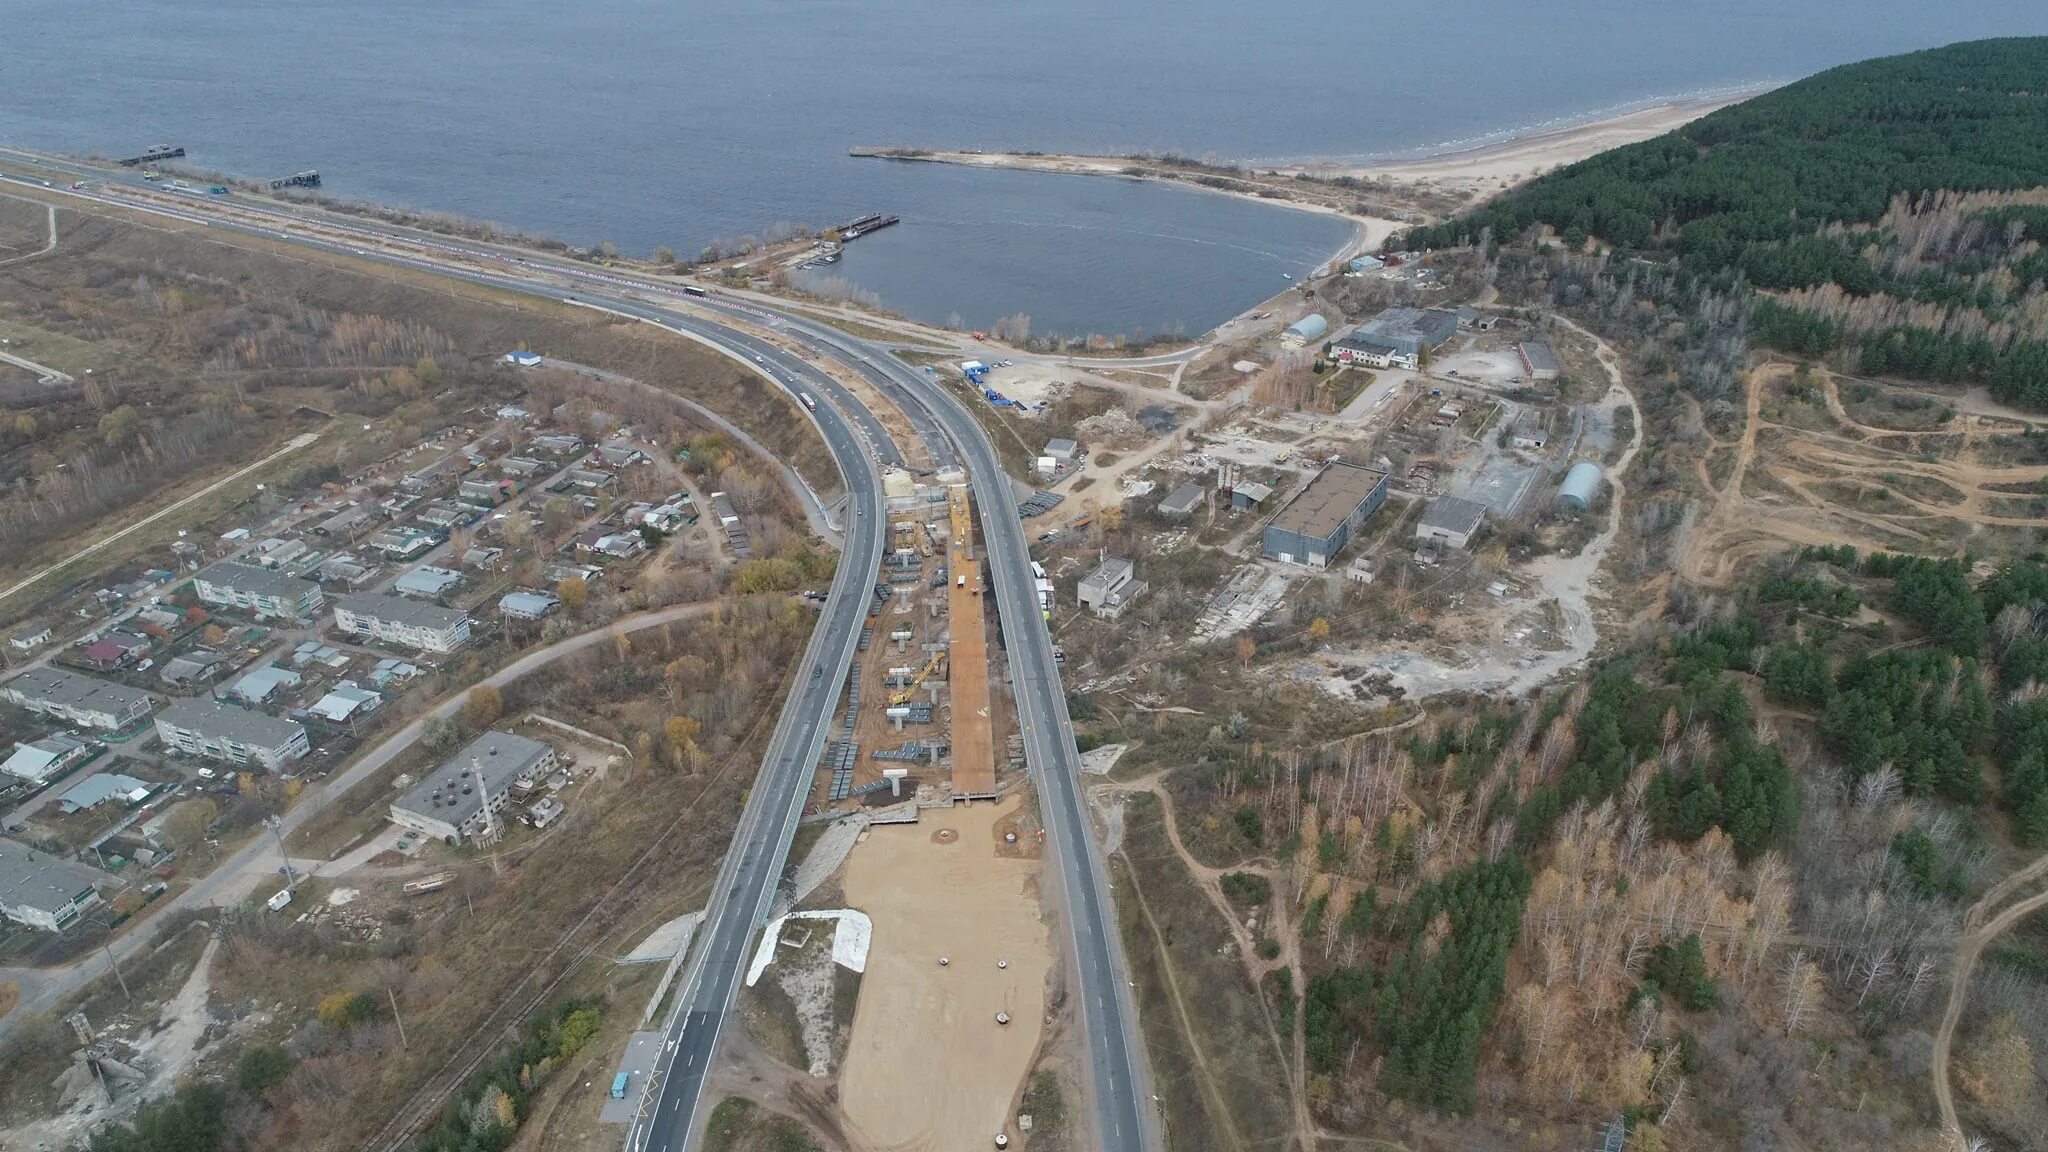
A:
(928, 1068)
(1802, 468)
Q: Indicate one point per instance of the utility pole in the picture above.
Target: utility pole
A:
(116, 966)
(397, 1017)
(291, 875)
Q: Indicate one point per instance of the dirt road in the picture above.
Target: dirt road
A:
(928, 1068)
(1977, 933)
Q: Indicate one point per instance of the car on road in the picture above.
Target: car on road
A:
(758, 360)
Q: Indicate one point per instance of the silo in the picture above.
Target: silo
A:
(1580, 485)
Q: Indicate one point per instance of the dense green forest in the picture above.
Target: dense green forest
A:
(1843, 192)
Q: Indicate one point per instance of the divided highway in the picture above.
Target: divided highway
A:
(1125, 1119)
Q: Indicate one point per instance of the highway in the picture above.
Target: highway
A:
(746, 882)
(1125, 1119)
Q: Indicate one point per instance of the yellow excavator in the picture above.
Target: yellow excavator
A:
(903, 695)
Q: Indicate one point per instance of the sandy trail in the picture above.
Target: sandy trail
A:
(1740, 526)
(928, 1069)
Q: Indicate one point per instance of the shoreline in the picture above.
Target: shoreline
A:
(1476, 171)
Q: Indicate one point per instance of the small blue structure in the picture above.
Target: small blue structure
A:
(974, 370)
(522, 359)
(1580, 485)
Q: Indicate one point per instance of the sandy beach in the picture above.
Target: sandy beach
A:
(1488, 169)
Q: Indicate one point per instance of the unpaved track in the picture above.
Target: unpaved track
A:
(1738, 526)
(1976, 935)
(46, 249)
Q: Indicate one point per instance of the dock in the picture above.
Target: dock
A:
(160, 152)
(854, 229)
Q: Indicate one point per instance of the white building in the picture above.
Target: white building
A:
(41, 890)
(76, 699)
(346, 703)
(30, 637)
(1111, 588)
(1451, 521)
(426, 582)
(258, 591)
(403, 622)
(451, 802)
(39, 760)
(258, 685)
(216, 730)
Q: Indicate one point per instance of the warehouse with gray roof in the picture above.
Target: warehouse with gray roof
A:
(450, 803)
(1319, 519)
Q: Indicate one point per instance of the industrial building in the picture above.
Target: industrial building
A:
(1249, 494)
(1318, 520)
(1111, 588)
(1305, 331)
(49, 757)
(1580, 485)
(41, 890)
(216, 730)
(1397, 338)
(404, 622)
(1539, 362)
(1451, 521)
(1182, 501)
(451, 802)
(1062, 449)
(76, 699)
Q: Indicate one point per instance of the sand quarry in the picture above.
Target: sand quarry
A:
(928, 1068)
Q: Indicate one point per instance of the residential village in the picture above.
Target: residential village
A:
(246, 663)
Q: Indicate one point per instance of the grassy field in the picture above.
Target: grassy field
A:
(738, 1125)
(1221, 1080)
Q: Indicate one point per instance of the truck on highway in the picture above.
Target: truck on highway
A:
(808, 402)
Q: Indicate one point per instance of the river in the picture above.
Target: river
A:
(649, 122)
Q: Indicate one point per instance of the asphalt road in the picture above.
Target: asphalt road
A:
(1125, 1119)
(1126, 1122)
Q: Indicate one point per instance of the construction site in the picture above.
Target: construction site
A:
(919, 717)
